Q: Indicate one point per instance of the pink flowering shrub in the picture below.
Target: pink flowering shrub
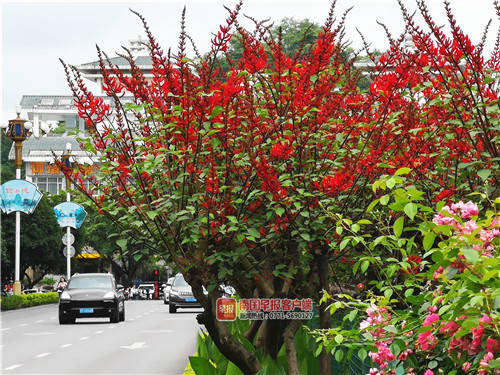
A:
(442, 317)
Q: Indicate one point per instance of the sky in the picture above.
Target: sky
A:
(35, 34)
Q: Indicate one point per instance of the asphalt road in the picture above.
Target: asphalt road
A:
(150, 341)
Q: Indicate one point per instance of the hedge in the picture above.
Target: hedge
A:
(28, 300)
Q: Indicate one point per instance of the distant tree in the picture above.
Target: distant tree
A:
(103, 235)
(41, 247)
(8, 170)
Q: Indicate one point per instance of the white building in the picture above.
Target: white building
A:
(53, 110)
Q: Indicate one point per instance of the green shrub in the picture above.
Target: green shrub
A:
(47, 281)
(27, 300)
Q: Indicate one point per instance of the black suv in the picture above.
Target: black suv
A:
(92, 295)
(180, 295)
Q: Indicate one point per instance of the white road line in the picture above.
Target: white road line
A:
(40, 321)
(65, 345)
(98, 332)
(110, 327)
(130, 319)
(84, 338)
(23, 325)
(4, 329)
(39, 333)
(41, 355)
(12, 367)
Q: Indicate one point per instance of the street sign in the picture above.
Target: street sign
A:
(19, 195)
(70, 214)
(65, 239)
(71, 251)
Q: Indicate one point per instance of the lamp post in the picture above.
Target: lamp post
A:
(18, 130)
(67, 161)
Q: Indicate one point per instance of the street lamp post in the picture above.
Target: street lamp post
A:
(66, 159)
(18, 131)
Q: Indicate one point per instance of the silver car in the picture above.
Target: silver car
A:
(166, 290)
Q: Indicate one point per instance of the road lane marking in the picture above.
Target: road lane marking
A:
(4, 329)
(158, 331)
(40, 321)
(39, 333)
(12, 367)
(23, 325)
(98, 332)
(130, 319)
(135, 345)
(41, 355)
(84, 338)
(65, 345)
(110, 327)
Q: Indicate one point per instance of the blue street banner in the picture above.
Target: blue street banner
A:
(70, 214)
(19, 195)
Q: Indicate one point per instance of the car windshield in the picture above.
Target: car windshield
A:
(179, 281)
(91, 282)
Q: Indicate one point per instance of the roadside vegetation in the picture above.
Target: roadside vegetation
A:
(28, 300)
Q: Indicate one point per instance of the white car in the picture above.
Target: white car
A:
(166, 290)
(146, 291)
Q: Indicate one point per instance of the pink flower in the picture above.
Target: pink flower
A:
(445, 220)
(466, 366)
(429, 372)
(449, 328)
(483, 365)
(485, 319)
(467, 210)
(430, 319)
(432, 309)
(469, 227)
(383, 355)
(426, 340)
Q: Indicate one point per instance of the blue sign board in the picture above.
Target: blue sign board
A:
(19, 195)
(70, 214)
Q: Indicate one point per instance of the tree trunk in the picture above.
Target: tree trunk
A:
(291, 350)
(231, 348)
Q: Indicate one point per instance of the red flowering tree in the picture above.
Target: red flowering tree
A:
(227, 172)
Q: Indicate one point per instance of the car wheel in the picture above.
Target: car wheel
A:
(122, 314)
(171, 308)
(115, 315)
(65, 320)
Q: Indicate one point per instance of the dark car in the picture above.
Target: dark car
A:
(92, 295)
(180, 295)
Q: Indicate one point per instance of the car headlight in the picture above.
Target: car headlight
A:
(65, 295)
(109, 296)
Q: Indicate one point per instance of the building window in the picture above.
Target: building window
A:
(51, 185)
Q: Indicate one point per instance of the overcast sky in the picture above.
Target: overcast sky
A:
(36, 34)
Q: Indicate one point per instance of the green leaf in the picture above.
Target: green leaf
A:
(232, 369)
(254, 232)
(152, 214)
(362, 354)
(201, 366)
(402, 171)
(429, 240)
(339, 338)
(122, 243)
(484, 174)
(411, 210)
(305, 236)
(339, 355)
(432, 364)
(280, 211)
(470, 254)
(398, 226)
